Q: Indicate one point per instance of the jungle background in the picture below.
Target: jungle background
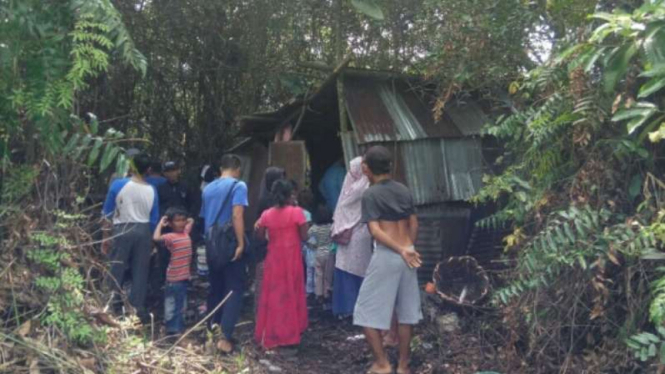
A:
(579, 85)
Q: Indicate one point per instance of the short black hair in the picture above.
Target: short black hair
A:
(281, 192)
(322, 215)
(141, 163)
(378, 160)
(172, 212)
(230, 162)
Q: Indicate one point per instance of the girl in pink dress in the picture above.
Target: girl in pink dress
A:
(282, 310)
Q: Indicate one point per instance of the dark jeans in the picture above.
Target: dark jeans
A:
(131, 249)
(231, 277)
(175, 305)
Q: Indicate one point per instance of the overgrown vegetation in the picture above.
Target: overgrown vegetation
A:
(580, 86)
(580, 190)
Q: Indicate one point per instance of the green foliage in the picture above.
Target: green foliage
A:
(646, 345)
(576, 238)
(50, 51)
(64, 285)
(657, 307)
(18, 183)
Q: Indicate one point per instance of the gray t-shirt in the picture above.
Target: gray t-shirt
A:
(387, 200)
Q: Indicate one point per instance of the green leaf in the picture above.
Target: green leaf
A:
(92, 157)
(593, 58)
(110, 152)
(652, 350)
(654, 44)
(656, 70)
(651, 87)
(73, 141)
(661, 355)
(638, 115)
(94, 124)
(617, 65)
(121, 165)
(635, 186)
(369, 8)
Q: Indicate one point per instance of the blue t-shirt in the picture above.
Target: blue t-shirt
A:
(331, 184)
(214, 195)
(155, 181)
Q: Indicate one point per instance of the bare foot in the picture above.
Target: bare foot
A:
(225, 346)
(380, 369)
(403, 369)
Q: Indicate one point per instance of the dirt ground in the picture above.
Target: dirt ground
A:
(331, 345)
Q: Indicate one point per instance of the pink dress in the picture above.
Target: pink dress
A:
(282, 310)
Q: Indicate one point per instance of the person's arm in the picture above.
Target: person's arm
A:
(189, 226)
(303, 231)
(409, 254)
(107, 213)
(154, 212)
(157, 235)
(239, 199)
(413, 228)
(239, 229)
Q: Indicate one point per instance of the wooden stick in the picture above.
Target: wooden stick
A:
(196, 326)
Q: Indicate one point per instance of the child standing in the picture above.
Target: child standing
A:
(179, 244)
(305, 200)
(321, 244)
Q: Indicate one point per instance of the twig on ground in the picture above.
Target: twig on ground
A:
(196, 326)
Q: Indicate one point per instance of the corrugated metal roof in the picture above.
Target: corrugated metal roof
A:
(468, 116)
(441, 170)
(386, 110)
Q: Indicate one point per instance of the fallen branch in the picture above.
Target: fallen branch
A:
(196, 326)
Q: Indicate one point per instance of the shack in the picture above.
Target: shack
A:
(441, 161)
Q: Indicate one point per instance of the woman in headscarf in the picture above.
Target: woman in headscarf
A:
(354, 242)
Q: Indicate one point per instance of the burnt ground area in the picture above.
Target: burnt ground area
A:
(459, 343)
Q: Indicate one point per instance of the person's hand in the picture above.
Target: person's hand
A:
(164, 221)
(257, 225)
(239, 251)
(190, 221)
(411, 257)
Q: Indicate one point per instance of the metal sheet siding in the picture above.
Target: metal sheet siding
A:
(441, 170)
(442, 232)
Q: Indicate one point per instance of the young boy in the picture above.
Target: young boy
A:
(321, 244)
(391, 282)
(179, 245)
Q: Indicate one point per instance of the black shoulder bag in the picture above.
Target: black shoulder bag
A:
(221, 241)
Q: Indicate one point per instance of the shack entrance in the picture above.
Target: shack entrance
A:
(441, 160)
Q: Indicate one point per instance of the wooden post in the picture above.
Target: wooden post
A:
(339, 52)
(341, 103)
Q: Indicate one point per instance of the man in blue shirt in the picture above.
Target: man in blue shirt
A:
(232, 276)
(133, 209)
(331, 184)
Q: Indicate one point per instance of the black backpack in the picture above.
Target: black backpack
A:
(221, 241)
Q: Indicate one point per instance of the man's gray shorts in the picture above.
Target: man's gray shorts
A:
(389, 286)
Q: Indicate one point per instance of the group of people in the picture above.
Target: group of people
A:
(357, 250)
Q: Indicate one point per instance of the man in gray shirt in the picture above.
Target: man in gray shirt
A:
(391, 283)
